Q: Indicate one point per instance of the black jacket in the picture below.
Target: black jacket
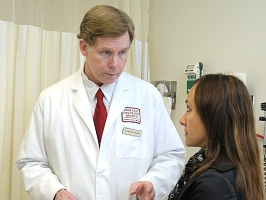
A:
(216, 183)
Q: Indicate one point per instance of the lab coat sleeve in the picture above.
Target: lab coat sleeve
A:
(169, 154)
(32, 161)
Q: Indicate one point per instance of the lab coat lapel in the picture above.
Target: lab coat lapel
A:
(119, 102)
(81, 103)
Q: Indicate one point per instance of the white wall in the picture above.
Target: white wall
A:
(228, 35)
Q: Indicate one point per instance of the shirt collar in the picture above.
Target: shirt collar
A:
(92, 88)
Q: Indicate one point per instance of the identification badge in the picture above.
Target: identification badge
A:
(132, 115)
(132, 132)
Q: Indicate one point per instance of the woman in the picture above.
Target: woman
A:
(219, 119)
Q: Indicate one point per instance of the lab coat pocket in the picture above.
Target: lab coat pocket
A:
(132, 143)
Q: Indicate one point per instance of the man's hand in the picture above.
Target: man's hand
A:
(143, 190)
(64, 195)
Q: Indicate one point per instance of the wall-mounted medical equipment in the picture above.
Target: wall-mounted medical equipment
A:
(263, 107)
(252, 98)
(193, 71)
(167, 89)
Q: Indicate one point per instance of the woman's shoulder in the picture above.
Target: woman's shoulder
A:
(216, 184)
(211, 184)
(218, 176)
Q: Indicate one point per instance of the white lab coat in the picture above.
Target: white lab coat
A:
(60, 148)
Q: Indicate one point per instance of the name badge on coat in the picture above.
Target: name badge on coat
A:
(131, 115)
(132, 132)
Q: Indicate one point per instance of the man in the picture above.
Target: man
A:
(136, 152)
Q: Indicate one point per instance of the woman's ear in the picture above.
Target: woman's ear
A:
(83, 47)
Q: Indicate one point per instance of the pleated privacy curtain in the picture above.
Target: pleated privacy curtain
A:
(31, 59)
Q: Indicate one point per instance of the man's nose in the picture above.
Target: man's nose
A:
(113, 61)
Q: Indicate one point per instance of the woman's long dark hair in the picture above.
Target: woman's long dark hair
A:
(225, 108)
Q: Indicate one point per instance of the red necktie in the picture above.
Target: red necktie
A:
(100, 115)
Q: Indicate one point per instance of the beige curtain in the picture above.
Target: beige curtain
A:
(32, 58)
(138, 62)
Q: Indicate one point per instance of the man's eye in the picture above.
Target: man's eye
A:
(107, 52)
(122, 52)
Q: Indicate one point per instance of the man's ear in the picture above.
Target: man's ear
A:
(83, 47)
